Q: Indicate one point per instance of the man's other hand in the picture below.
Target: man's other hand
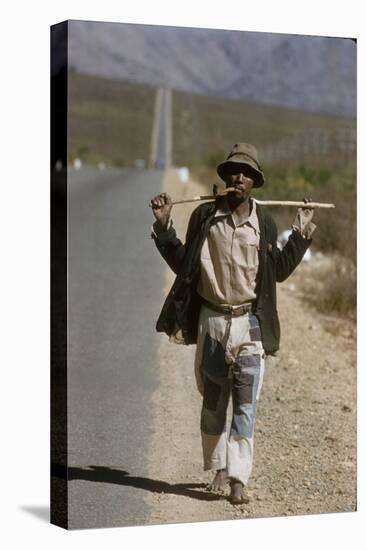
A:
(305, 214)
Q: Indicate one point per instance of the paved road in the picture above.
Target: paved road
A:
(115, 292)
(164, 130)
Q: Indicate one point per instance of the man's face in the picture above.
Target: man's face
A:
(238, 177)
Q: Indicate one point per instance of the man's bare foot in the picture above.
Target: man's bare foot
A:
(219, 482)
(237, 494)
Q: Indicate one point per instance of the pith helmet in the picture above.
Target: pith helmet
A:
(246, 154)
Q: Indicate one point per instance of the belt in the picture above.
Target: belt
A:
(233, 311)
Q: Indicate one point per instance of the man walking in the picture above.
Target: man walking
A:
(224, 300)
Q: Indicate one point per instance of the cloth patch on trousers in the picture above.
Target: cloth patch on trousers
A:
(246, 374)
(254, 330)
(213, 359)
(253, 360)
(243, 424)
(213, 422)
(211, 394)
(243, 384)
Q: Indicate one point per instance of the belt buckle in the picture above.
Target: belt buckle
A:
(241, 310)
(236, 312)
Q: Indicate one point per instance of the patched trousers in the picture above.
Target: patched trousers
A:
(229, 362)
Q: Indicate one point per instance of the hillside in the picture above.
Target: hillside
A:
(311, 73)
(109, 121)
(205, 128)
(112, 120)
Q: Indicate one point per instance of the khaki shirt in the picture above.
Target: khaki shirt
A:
(229, 258)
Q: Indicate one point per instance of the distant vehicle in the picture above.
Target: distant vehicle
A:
(77, 164)
(183, 173)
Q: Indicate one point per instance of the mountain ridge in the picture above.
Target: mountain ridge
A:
(309, 73)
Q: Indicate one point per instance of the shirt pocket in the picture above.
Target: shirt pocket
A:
(246, 248)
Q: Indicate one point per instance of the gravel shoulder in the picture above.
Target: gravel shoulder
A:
(305, 443)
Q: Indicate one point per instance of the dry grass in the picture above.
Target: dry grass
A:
(330, 286)
(205, 127)
(109, 121)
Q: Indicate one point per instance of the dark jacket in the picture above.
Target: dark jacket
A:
(182, 305)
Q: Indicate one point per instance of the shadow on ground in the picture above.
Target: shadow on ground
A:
(103, 474)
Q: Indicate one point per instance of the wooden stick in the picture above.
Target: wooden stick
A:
(299, 204)
(194, 199)
(296, 203)
(204, 197)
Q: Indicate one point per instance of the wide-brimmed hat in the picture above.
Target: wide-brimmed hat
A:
(243, 153)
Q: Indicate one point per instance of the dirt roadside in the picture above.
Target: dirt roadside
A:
(305, 442)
